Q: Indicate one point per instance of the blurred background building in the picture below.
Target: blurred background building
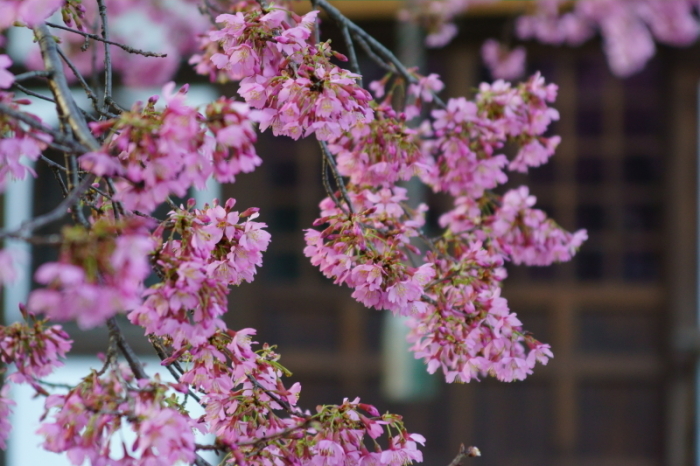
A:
(621, 318)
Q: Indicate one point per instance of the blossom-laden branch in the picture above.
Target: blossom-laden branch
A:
(120, 167)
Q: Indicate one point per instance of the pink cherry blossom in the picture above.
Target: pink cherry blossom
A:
(503, 63)
(33, 349)
(5, 411)
(6, 77)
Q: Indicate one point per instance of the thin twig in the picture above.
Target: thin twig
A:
(136, 366)
(160, 351)
(108, 54)
(337, 16)
(59, 178)
(373, 56)
(280, 434)
(378, 47)
(117, 44)
(334, 169)
(470, 452)
(284, 404)
(38, 125)
(91, 95)
(113, 190)
(51, 163)
(327, 185)
(131, 358)
(33, 93)
(354, 64)
(56, 214)
(46, 98)
(32, 75)
(53, 384)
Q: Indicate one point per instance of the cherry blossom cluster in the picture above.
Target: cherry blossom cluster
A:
(152, 154)
(468, 135)
(381, 152)
(366, 251)
(215, 248)
(18, 140)
(29, 12)
(257, 421)
(501, 61)
(5, 411)
(469, 330)
(282, 73)
(34, 349)
(86, 421)
(100, 272)
(628, 28)
(459, 321)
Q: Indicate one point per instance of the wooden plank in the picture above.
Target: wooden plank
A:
(565, 413)
(613, 367)
(389, 9)
(583, 294)
(680, 218)
(330, 364)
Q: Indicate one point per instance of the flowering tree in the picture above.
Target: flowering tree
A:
(628, 28)
(123, 160)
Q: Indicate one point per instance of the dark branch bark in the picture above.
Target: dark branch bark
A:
(59, 87)
(131, 358)
(334, 169)
(108, 54)
(469, 452)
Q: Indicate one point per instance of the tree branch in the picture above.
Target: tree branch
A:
(373, 56)
(131, 358)
(385, 53)
(32, 75)
(470, 452)
(354, 64)
(117, 44)
(91, 95)
(38, 125)
(334, 169)
(61, 91)
(378, 47)
(327, 185)
(108, 54)
(56, 214)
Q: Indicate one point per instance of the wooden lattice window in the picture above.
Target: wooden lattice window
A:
(601, 400)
